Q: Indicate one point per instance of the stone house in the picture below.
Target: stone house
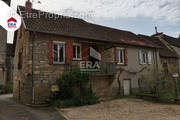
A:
(3, 53)
(170, 55)
(46, 47)
(9, 62)
(3, 40)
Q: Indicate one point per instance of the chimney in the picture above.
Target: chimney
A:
(156, 30)
(28, 6)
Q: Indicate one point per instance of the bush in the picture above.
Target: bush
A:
(1, 87)
(75, 89)
(8, 88)
(160, 85)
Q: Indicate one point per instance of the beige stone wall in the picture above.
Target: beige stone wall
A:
(45, 74)
(172, 64)
(133, 70)
(22, 77)
(2, 77)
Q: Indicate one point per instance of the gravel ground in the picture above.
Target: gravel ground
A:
(124, 109)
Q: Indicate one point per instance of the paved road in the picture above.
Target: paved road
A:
(10, 110)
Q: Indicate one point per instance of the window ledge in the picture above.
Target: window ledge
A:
(120, 63)
(58, 63)
(143, 64)
(77, 59)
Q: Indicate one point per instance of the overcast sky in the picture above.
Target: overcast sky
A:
(138, 16)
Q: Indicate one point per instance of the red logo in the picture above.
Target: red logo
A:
(12, 22)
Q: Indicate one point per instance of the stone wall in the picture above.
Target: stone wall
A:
(45, 74)
(3, 41)
(172, 64)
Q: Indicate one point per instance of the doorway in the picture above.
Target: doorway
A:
(127, 86)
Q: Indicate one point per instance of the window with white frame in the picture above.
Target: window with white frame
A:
(142, 57)
(59, 52)
(149, 57)
(120, 55)
(76, 51)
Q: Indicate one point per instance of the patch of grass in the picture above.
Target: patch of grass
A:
(132, 96)
(8, 88)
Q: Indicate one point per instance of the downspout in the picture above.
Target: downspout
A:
(156, 57)
(33, 92)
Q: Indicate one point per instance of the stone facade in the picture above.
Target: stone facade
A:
(9, 62)
(3, 40)
(170, 65)
(133, 70)
(3, 50)
(45, 74)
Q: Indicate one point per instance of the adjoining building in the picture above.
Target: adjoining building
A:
(169, 58)
(3, 50)
(173, 44)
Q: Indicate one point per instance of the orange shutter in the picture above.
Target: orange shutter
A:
(125, 57)
(116, 57)
(50, 52)
(69, 52)
(85, 52)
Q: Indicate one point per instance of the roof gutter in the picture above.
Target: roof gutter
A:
(33, 88)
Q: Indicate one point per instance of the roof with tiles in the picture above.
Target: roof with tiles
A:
(164, 51)
(74, 27)
(171, 40)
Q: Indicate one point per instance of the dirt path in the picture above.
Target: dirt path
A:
(9, 110)
(124, 109)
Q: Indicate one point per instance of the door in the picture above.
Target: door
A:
(127, 87)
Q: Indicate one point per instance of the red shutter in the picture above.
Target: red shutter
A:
(125, 57)
(85, 52)
(50, 52)
(69, 52)
(116, 57)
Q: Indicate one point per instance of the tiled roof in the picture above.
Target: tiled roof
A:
(164, 51)
(171, 40)
(74, 27)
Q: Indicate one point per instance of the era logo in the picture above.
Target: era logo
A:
(12, 22)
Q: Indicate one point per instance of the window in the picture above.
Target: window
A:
(142, 57)
(59, 53)
(76, 52)
(165, 66)
(120, 55)
(149, 57)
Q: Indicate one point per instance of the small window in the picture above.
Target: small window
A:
(149, 57)
(76, 52)
(120, 55)
(59, 53)
(142, 57)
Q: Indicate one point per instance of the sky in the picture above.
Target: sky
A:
(137, 16)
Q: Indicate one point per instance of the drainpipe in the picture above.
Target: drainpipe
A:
(33, 96)
(156, 57)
